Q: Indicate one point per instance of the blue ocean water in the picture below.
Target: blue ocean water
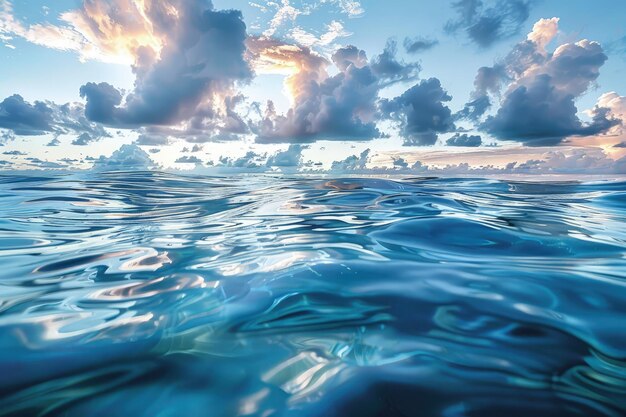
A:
(153, 294)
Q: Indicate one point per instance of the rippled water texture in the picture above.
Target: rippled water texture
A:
(151, 294)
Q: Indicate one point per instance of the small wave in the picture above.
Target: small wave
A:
(151, 293)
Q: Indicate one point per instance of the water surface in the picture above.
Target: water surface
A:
(152, 294)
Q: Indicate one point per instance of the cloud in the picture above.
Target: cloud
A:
(572, 161)
(251, 160)
(285, 13)
(14, 153)
(421, 113)
(187, 80)
(615, 107)
(389, 69)
(40, 118)
(24, 118)
(127, 157)
(419, 44)
(292, 157)
(145, 139)
(186, 159)
(63, 38)
(541, 87)
(334, 31)
(463, 139)
(352, 163)
(41, 164)
(6, 136)
(338, 107)
(352, 8)
(83, 139)
(486, 25)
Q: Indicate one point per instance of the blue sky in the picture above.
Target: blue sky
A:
(410, 83)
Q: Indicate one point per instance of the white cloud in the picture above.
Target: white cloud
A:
(352, 8)
(286, 13)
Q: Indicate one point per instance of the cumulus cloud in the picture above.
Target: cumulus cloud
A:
(127, 157)
(612, 105)
(40, 118)
(24, 118)
(292, 157)
(251, 160)
(352, 162)
(338, 107)
(187, 79)
(537, 106)
(421, 113)
(463, 139)
(487, 23)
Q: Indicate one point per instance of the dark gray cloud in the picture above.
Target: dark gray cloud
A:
(339, 107)
(485, 23)
(537, 90)
(463, 139)
(39, 118)
(24, 118)
(202, 56)
(419, 44)
(474, 109)
(389, 69)
(488, 82)
(539, 107)
(14, 153)
(421, 113)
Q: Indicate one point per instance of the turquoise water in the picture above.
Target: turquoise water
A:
(151, 294)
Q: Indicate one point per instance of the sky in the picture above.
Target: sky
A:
(370, 86)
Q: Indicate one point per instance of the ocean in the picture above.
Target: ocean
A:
(158, 294)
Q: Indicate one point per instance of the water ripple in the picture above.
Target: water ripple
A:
(156, 294)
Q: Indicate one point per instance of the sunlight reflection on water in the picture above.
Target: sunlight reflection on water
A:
(154, 294)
